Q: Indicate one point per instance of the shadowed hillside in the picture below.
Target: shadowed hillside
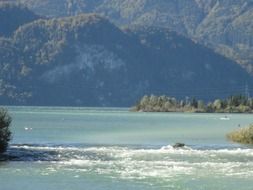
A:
(12, 16)
(86, 60)
(223, 25)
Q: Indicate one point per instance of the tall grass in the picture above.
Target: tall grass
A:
(243, 135)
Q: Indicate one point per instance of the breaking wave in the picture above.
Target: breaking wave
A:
(140, 163)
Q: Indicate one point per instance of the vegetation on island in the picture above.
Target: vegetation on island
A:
(232, 104)
(242, 135)
(5, 133)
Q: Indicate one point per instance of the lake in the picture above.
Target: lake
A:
(111, 148)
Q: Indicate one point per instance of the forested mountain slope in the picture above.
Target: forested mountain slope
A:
(86, 60)
(223, 25)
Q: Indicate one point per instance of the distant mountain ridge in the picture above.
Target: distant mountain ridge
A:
(223, 25)
(12, 16)
(86, 60)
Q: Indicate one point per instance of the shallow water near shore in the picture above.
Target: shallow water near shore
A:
(105, 148)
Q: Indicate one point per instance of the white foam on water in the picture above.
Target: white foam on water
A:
(166, 162)
(124, 150)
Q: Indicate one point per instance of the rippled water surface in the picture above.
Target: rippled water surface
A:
(81, 148)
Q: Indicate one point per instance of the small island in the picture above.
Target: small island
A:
(232, 104)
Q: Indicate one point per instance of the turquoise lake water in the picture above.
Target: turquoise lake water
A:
(106, 148)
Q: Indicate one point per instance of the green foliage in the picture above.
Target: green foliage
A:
(233, 104)
(243, 135)
(5, 133)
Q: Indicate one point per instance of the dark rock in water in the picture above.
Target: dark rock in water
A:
(5, 157)
(178, 145)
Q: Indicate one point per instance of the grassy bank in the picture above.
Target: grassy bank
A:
(243, 135)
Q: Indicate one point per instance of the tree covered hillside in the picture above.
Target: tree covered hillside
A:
(86, 60)
(223, 25)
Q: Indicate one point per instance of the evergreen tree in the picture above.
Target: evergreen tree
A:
(5, 134)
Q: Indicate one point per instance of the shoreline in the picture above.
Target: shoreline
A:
(203, 112)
